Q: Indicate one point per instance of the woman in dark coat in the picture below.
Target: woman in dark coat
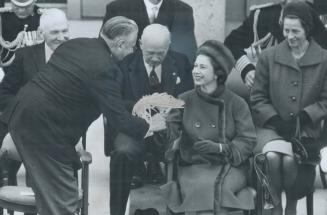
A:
(289, 99)
(216, 136)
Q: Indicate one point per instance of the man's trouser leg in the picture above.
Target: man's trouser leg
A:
(53, 183)
(125, 155)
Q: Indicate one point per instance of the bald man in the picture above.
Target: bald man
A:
(148, 70)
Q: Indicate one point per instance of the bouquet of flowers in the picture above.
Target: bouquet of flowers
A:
(157, 103)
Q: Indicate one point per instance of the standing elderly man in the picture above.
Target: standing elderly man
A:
(28, 62)
(23, 13)
(262, 29)
(175, 14)
(146, 71)
(52, 111)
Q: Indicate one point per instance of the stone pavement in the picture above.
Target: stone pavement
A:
(99, 169)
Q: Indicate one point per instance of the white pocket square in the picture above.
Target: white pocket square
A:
(178, 80)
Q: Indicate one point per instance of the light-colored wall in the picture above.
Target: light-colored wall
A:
(209, 18)
(94, 8)
(74, 9)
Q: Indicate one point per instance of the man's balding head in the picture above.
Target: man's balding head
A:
(54, 27)
(154, 43)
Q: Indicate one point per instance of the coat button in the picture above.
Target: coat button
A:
(293, 98)
(291, 114)
(197, 125)
(213, 125)
(295, 83)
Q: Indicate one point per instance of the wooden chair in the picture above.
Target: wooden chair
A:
(21, 198)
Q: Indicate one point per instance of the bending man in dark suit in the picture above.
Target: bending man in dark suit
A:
(29, 61)
(151, 69)
(53, 110)
(175, 14)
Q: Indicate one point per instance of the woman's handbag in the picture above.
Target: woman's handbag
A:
(305, 149)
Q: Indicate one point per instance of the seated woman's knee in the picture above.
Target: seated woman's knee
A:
(289, 162)
(273, 156)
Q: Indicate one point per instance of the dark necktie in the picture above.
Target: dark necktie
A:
(153, 78)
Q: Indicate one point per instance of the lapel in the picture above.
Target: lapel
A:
(169, 74)
(284, 56)
(166, 14)
(143, 14)
(312, 56)
(138, 77)
(39, 57)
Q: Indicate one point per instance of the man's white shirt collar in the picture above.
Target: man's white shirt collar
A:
(149, 6)
(157, 69)
(48, 52)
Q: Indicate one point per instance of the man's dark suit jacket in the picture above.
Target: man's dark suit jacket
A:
(176, 78)
(28, 61)
(52, 111)
(175, 14)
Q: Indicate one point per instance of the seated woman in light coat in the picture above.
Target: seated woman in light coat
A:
(216, 137)
(289, 99)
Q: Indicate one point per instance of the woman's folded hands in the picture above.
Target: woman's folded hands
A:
(207, 146)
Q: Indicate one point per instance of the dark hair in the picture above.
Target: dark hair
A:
(301, 11)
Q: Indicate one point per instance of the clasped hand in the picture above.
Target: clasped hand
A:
(207, 146)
